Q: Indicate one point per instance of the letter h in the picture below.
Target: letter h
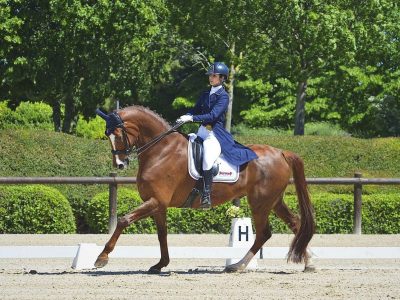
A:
(246, 232)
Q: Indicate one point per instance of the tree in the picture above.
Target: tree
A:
(80, 53)
(369, 98)
(9, 37)
(304, 39)
(220, 30)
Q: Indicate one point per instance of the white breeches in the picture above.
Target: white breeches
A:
(211, 146)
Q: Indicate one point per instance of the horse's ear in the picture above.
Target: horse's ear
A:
(101, 114)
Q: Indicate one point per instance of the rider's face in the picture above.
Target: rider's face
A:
(215, 79)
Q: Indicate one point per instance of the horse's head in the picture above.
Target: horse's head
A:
(121, 141)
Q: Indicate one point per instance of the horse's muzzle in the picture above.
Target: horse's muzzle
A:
(121, 164)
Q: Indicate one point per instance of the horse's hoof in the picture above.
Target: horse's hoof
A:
(234, 268)
(310, 269)
(228, 269)
(153, 270)
(101, 262)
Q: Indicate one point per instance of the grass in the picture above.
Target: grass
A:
(317, 128)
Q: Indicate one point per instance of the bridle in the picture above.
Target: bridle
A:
(129, 148)
(114, 121)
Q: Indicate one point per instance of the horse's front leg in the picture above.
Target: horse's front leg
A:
(146, 209)
(161, 222)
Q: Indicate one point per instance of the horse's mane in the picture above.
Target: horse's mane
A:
(150, 112)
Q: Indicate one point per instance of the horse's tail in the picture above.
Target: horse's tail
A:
(298, 248)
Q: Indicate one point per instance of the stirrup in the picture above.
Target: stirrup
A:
(205, 202)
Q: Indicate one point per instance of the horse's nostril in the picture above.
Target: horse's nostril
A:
(120, 166)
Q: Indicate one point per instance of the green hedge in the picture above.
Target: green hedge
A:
(45, 153)
(92, 129)
(34, 209)
(128, 200)
(179, 220)
(36, 115)
(381, 213)
(333, 214)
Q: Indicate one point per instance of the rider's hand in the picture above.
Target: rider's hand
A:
(192, 137)
(185, 119)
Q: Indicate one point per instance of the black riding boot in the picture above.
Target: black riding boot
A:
(207, 183)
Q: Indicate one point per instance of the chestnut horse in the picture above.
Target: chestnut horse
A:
(163, 181)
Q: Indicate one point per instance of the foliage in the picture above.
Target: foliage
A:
(235, 212)
(7, 117)
(333, 214)
(324, 129)
(45, 153)
(292, 62)
(81, 53)
(27, 115)
(34, 209)
(179, 220)
(301, 40)
(312, 128)
(128, 200)
(374, 108)
(92, 129)
(182, 102)
(381, 213)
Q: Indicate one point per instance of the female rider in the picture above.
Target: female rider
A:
(210, 110)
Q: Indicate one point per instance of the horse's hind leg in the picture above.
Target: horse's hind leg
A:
(293, 221)
(146, 209)
(263, 233)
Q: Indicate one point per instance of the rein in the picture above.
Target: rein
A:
(130, 148)
(113, 121)
(157, 139)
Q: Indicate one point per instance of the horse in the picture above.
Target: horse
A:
(163, 181)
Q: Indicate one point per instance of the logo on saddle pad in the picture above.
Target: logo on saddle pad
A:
(226, 171)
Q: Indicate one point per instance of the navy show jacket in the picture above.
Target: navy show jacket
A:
(211, 110)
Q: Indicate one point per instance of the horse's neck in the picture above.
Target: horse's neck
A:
(158, 158)
(148, 127)
(149, 131)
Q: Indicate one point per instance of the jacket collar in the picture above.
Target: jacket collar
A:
(219, 92)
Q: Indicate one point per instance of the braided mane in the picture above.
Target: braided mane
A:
(150, 112)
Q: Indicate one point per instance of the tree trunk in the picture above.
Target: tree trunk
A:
(228, 121)
(300, 108)
(57, 115)
(230, 91)
(69, 113)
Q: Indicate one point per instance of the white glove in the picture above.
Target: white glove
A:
(192, 137)
(185, 119)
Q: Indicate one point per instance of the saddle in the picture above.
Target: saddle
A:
(197, 155)
(222, 170)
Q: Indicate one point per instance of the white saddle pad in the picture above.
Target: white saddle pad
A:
(227, 172)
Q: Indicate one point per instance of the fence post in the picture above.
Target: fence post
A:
(357, 205)
(112, 205)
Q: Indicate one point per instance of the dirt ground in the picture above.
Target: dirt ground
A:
(199, 278)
